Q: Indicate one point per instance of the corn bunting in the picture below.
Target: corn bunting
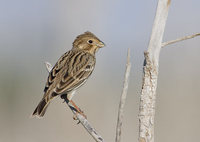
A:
(71, 71)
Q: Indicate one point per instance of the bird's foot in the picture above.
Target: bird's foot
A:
(82, 113)
(76, 118)
(77, 109)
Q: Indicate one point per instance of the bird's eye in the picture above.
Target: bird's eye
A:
(90, 41)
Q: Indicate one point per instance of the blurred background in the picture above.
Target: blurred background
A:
(35, 31)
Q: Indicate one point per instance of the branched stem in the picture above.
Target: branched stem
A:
(150, 74)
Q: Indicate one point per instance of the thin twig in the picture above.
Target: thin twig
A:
(180, 39)
(123, 99)
(81, 119)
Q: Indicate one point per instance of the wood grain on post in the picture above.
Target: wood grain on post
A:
(150, 74)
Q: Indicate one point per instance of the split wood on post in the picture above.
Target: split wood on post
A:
(150, 74)
(81, 119)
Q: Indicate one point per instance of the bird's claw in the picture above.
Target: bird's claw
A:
(82, 113)
(75, 118)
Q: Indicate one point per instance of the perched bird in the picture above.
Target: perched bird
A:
(71, 71)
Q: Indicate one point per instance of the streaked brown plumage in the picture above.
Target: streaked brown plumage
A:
(71, 71)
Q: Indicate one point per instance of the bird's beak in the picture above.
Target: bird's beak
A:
(100, 44)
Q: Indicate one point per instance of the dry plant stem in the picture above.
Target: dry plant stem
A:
(150, 74)
(123, 98)
(180, 39)
(81, 119)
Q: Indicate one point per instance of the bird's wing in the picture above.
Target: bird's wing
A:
(76, 72)
(69, 73)
(56, 70)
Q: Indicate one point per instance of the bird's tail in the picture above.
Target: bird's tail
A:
(41, 108)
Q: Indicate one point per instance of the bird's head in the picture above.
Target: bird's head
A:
(88, 42)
